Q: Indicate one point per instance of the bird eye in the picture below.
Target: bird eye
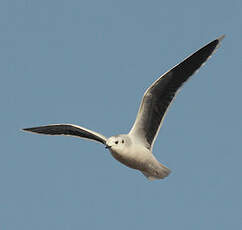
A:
(116, 142)
(122, 141)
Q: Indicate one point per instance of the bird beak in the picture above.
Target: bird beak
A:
(107, 147)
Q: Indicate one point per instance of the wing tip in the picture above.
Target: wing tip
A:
(218, 40)
(37, 128)
(216, 44)
(30, 130)
(25, 130)
(221, 38)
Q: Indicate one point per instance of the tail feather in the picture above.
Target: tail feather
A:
(161, 174)
(166, 171)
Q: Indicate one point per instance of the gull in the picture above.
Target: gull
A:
(135, 148)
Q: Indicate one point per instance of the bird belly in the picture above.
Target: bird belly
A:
(136, 160)
(128, 161)
(143, 161)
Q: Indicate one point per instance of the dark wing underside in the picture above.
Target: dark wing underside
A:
(68, 129)
(160, 94)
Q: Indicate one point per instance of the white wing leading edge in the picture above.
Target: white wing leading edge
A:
(160, 94)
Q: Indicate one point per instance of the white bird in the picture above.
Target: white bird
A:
(135, 148)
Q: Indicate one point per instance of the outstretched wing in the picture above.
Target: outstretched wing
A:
(69, 130)
(160, 94)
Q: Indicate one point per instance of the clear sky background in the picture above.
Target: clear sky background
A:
(89, 63)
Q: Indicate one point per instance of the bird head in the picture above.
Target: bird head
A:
(116, 142)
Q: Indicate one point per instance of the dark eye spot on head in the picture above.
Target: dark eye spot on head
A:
(122, 141)
(116, 142)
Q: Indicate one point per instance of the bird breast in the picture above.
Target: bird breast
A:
(136, 159)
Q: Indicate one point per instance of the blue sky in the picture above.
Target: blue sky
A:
(89, 63)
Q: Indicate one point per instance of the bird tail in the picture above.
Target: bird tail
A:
(162, 173)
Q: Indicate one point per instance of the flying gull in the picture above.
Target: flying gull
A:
(135, 148)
